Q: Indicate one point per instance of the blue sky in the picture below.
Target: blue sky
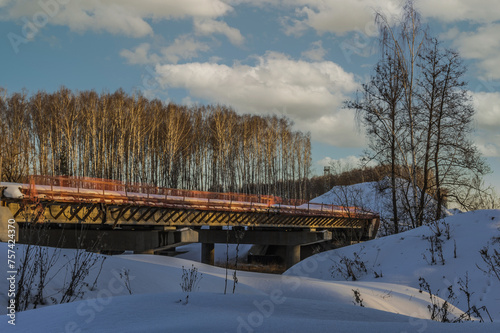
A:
(301, 58)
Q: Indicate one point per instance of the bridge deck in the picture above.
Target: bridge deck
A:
(85, 200)
(143, 218)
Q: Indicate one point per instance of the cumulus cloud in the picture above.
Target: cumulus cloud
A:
(140, 55)
(337, 128)
(209, 27)
(316, 52)
(133, 18)
(486, 146)
(338, 16)
(184, 47)
(481, 11)
(487, 107)
(127, 17)
(310, 93)
(482, 45)
(487, 118)
(347, 162)
(293, 26)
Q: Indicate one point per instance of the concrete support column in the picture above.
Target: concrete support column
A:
(292, 255)
(207, 253)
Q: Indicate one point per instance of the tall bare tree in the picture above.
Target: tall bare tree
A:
(412, 108)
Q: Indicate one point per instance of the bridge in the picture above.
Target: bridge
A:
(148, 219)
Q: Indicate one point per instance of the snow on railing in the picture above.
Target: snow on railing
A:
(86, 188)
(105, 186)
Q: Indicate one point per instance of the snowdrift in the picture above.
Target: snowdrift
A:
(404, 258)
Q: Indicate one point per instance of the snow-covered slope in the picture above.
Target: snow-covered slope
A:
(307, 298)
(404, 258)
(377, 197)
(168, 312)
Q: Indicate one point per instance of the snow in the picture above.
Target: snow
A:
(313, 296)
(166, 312)
(12, 190)
(402, 259)
(306, 298)
(377, 197)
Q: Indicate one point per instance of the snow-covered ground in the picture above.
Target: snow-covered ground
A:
(312, 296)
(377, 197)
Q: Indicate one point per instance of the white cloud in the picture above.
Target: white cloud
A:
(337, 128)
(209, 27)
(127, 17)
(460, 10)
(325, 161)
(310, 93)
(482, 45)
(140, 55)
(293, 27)
(338, 16)
(487, 107)
(486, 146)
(348, 162)
(487, 117)
(316, 52)
(188, 101)
(184, 47)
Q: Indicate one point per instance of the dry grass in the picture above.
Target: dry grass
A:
(271, 268)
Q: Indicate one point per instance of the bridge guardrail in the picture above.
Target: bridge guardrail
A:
(68, 188)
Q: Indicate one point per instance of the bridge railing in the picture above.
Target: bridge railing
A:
(81, 188)
(115, 187)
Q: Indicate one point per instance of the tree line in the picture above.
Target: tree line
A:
(418, 116)
(135, 140)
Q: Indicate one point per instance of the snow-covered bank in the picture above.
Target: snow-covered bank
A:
(307, 298)
(402, 259)
(167, 312)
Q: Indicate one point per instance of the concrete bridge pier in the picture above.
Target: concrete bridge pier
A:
(289, 242)
(292, 255)
(207, 253)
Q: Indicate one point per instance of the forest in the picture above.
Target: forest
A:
(135, 140)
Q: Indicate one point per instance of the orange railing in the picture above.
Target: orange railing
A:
(106, 185)
(104, 190)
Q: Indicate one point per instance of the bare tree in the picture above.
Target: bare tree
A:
(132, 139)
(417, 114)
